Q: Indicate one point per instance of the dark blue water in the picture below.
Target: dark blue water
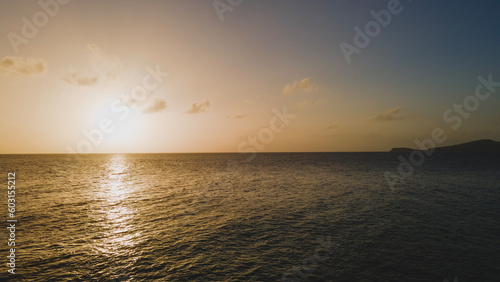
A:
(279, 217)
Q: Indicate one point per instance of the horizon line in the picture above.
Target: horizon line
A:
(289, 152)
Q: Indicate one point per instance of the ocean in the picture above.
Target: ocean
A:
(277, 217)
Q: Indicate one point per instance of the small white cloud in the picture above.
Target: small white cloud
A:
(304, 85)
(390, 115)
(304, 104)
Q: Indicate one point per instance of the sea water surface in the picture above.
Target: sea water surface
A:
(278, 217)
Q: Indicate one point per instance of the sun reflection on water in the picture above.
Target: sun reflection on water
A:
(117, 189)
(120, 233)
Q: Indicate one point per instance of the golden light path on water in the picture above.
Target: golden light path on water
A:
(119, 229)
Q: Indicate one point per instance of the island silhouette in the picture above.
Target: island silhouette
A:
(484, 145)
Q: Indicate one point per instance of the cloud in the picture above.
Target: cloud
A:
(304, 104)
(12, 64)
(157, 106)
(133, 101)
(197, 108)
(304, 85)
(332, 126)
(106, 68)
(78, 79)
(235, 116)
(390, 115)
(107, 65)
(321, 101)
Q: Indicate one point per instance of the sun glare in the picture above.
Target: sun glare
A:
(127, 130)
(117, 125)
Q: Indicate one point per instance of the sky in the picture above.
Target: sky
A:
(246, 76)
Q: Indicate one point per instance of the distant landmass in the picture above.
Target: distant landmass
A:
(485, 145)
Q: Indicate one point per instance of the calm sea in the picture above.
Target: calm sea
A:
(279, 217)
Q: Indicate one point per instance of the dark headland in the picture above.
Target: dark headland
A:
(485, 145)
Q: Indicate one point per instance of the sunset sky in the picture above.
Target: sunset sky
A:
(226, 73)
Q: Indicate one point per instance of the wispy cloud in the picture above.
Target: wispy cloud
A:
(321, 101)
(79, 79)
(304, 85)
(235, 116)
(332, 126)
(21, 65)
(157, 106)
(390, 115)
(197, 108)
(106, 67)
(304, 104)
